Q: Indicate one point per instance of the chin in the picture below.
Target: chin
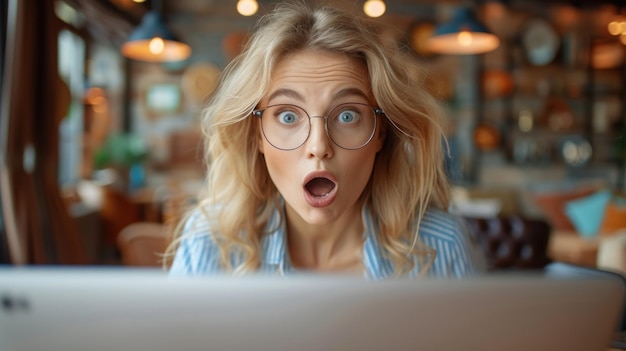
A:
(317, 215)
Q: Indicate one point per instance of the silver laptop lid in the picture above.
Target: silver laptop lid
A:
(132, 309)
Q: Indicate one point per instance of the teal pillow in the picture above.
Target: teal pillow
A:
(586, 214)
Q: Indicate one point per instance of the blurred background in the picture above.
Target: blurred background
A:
(101, 103)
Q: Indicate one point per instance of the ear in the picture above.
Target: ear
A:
(380, 138)
(260, 138)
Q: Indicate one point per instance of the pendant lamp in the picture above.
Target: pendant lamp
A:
(152, 41)
(463, 35)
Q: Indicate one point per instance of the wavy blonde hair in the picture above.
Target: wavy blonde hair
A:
(408, 174)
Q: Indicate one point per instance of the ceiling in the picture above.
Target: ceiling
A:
(113, 20)
(133, 11)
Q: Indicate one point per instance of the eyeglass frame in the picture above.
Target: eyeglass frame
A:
(377, 111)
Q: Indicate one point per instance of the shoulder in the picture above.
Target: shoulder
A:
(457, 254)
(197, 253)
(441, 225)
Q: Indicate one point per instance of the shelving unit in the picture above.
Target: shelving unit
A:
(567, 111)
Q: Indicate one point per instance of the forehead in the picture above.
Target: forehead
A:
(308, 71)
(319, 57)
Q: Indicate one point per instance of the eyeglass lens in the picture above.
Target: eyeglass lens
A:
(350, 126)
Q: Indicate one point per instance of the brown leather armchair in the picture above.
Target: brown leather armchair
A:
(512, 242)
(142, 243)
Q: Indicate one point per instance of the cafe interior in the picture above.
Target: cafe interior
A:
(101, 103)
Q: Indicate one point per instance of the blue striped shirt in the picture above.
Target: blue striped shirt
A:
(457, 256)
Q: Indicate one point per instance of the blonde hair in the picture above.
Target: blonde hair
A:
(408, 174)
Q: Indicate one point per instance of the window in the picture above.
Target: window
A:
(71, 70)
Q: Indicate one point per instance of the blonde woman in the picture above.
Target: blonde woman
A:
(323, 155)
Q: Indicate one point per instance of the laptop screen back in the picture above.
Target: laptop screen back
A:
(87, 309)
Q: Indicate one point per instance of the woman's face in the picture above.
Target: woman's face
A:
(319, 180)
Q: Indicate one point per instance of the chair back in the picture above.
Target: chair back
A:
(512, 242)
(141, 243)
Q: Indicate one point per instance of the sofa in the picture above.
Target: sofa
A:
(586, 220)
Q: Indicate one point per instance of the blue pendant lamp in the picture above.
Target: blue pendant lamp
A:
(152, 41)
(463, 35)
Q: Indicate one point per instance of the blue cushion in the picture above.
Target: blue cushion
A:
(586, 214)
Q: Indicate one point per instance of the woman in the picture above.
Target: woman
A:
(323, 156)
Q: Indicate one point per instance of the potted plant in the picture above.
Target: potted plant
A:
(125, 153)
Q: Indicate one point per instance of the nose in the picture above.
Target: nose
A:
(319, 145)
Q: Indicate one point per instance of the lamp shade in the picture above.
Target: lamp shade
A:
(463, 35)
(152, 41)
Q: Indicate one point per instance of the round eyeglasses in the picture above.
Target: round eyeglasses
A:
(350, 126)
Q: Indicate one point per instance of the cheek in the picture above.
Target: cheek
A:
(280, 168)
(277, 163)
(359, 167)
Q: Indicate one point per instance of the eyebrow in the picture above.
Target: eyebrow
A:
(294, 94)
(351, 92)
(287, 93)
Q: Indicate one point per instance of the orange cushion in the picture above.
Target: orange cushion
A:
(614, 218)
(553, 206)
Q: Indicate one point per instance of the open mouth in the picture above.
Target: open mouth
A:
(320, 187)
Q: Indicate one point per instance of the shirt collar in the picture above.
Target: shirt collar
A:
(274, 244)
(377, 266)
(276, 257)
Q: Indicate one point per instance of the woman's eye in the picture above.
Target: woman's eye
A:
(347, 116)
(287, 117)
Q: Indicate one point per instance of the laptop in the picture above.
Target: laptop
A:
(562, 269)
(139, 309)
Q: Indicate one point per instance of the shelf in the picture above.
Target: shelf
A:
(562, 105)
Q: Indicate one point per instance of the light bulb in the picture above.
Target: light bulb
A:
(374, 8)
(247, 7)
(614, 28)
(156, 45)
(464, 38)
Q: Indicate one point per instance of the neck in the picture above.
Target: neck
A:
(331, 247)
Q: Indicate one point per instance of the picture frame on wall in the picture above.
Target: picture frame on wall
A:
(163, 99)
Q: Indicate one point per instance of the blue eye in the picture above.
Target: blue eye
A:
(347, 116)
(288, 117)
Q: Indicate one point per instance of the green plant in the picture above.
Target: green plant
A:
(121, 150)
